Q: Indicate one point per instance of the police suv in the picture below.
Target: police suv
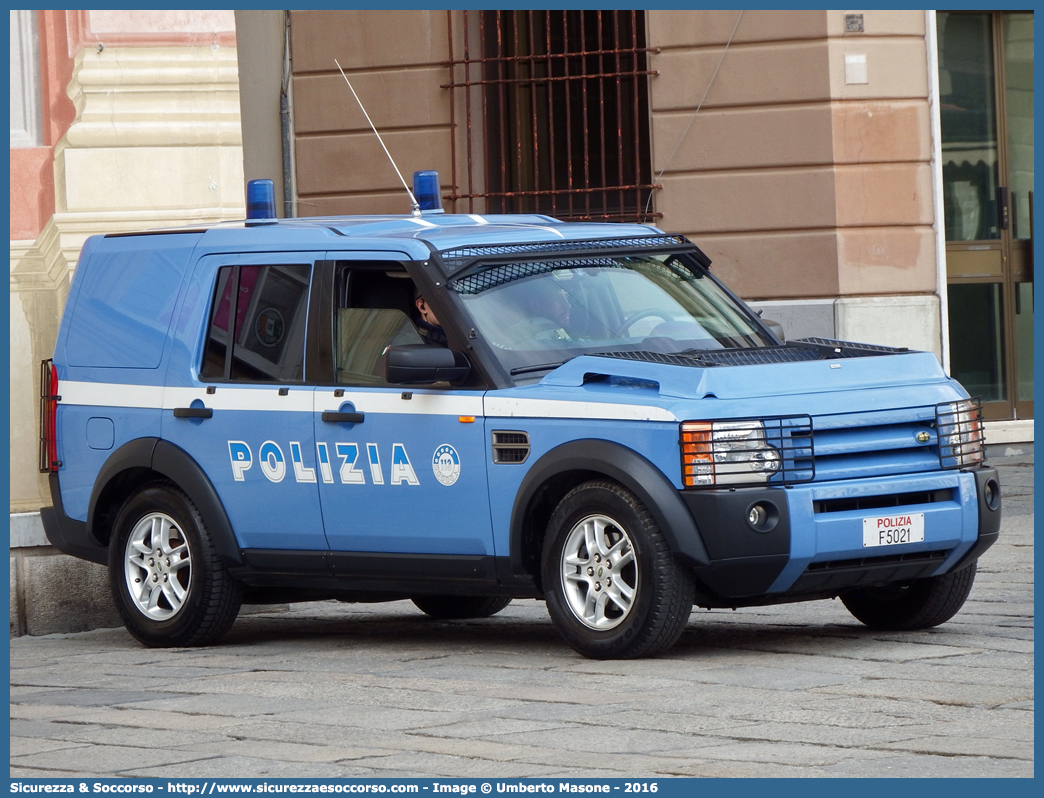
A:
(462, 410)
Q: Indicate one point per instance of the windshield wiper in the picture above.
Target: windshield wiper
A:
(541, 367)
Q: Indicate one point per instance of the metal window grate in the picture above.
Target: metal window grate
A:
(556, 110)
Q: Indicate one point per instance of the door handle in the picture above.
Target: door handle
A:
(193, 412)
(343, 418)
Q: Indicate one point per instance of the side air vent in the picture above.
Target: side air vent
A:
(510, 446)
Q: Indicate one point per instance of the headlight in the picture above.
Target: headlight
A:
(959, 426)
(726, 453)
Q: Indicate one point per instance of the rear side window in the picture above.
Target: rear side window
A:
(124, 307)
(257, 324)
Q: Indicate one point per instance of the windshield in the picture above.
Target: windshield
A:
(538, 314)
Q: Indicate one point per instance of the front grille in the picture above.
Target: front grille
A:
(882, 502)
(919, 557)
(859, 445)
(510, 446)
(839, 575)
(876, 443)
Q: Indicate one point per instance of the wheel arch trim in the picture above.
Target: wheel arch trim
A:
(623, 465)
(177, 465)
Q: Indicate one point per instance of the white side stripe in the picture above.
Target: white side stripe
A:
(308, 400)
(296, 399)
(299, 399)
(420, 404)
(556, 408)
(103, 394)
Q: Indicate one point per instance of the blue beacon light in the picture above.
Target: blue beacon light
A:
(426, 190)
(260, 201)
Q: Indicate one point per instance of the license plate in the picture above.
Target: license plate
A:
(891, 530)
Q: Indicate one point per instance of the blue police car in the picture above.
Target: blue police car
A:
(462, 409)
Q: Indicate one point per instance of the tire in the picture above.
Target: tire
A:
(629, 597)
(193, 600)
(920, 604)
(452, 608)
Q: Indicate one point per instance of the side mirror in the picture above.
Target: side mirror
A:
(776, 329)
(416, 364)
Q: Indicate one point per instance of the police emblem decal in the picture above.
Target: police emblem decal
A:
(446, 464)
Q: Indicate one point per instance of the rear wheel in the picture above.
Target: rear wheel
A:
(167, 581)
(450, 608)
(920, 604)
(612, 585)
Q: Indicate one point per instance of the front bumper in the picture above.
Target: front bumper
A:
(813, 542)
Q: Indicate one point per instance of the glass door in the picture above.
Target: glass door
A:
(986, 88)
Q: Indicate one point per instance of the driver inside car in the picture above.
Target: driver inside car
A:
(427, 323)
(547, 311)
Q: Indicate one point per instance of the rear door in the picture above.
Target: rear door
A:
(247, 419)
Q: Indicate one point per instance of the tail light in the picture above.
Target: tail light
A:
(49, 399)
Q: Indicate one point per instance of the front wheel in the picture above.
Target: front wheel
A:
(611, 583)
(919, 604)
(168, 583)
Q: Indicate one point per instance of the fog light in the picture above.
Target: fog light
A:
(991, 494)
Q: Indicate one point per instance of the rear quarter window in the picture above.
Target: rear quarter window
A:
(125, 305)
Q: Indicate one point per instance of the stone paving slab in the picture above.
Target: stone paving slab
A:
(339, 690)
(21, 746)
(116, 718)
(948, 746)
(931, 767)
(116, 758)
(245, 767)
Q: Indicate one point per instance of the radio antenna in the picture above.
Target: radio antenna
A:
(413, 199)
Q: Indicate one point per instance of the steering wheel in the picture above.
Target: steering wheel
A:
(634, 318)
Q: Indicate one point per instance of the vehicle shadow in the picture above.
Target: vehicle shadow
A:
(528, 630)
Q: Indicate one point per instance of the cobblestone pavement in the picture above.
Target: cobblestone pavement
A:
(329, 689)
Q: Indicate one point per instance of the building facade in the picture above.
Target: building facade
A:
(858, 175)
(120, 120)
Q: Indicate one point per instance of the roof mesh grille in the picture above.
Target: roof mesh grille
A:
(453, 257)
(508, 273)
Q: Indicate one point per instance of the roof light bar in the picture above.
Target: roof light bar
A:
(260, 201)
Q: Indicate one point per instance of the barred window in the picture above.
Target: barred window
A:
(556, 105)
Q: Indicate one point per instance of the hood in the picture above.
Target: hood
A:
(674, 381)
